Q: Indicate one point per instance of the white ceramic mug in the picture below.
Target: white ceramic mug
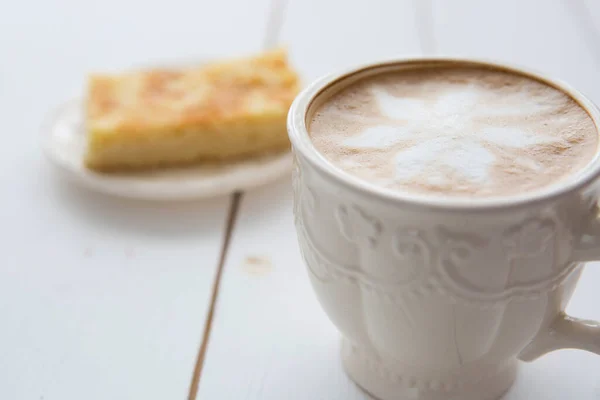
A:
(438, 299)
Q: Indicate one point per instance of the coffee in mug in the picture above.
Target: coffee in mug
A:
(451, 130)
(445, 209)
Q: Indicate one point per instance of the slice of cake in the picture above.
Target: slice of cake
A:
(217, 112)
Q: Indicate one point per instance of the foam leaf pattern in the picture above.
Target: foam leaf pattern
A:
(445, 135)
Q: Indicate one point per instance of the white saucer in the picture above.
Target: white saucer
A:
(64, 142)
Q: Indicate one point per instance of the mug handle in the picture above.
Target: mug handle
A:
(567, 332)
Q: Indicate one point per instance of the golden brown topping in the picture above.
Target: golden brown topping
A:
(158, 99)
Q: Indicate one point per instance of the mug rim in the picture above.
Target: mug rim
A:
(300, 139)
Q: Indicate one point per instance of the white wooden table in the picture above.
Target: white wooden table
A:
(108, 299)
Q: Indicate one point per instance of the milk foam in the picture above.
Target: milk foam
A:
(455, 131)
(445, 135)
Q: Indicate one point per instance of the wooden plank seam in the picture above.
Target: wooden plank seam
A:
(274, 23)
